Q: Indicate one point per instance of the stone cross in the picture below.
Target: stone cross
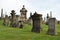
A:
(36, 22)
(13, 18)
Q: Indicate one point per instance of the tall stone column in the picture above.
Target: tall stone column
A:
(2, 14)
(51, 26)
(36, 18)
(13, 18)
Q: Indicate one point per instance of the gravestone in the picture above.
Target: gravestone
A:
(30, 19)
(17, 21)
(13, 18)
(51, 26)
(36, 22)
(23, 16)
(47, 19)
(6, 20)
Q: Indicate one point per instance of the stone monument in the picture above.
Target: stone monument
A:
(36, 18)
(51, 26)
(23, 12)
(47, 19)
(13, 18)
(6, 20)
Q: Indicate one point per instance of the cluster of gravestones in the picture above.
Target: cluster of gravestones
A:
(35, 20)
(16, 20)
(11, 20)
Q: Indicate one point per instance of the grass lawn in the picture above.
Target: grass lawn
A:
(9, 33)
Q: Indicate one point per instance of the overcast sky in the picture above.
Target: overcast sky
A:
(40, 6)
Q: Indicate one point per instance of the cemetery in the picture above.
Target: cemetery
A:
(18, 27)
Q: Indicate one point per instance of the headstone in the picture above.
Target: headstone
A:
(30, 19)
(36, 22)
(51, 26)
(47, 19)
(6, 20)
(17, 20)
(23, 16)
(13, 18)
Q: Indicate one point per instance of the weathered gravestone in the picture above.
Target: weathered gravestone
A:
(47, 19)
(51, 26)
(23, 16)
(6, 20)
(30, 19)
(36, 22)
(13, 18)
(17, 20)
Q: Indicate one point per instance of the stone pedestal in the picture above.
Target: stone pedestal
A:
(51, 26)
(20, 24)
(23, 12)
(36, 22)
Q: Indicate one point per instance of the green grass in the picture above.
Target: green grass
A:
(9, 33)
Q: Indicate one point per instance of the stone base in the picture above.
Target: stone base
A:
(21, 26)
(36, 30)
(51, 32)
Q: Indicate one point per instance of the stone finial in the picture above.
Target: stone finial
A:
(12, 11)
(23, 9)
